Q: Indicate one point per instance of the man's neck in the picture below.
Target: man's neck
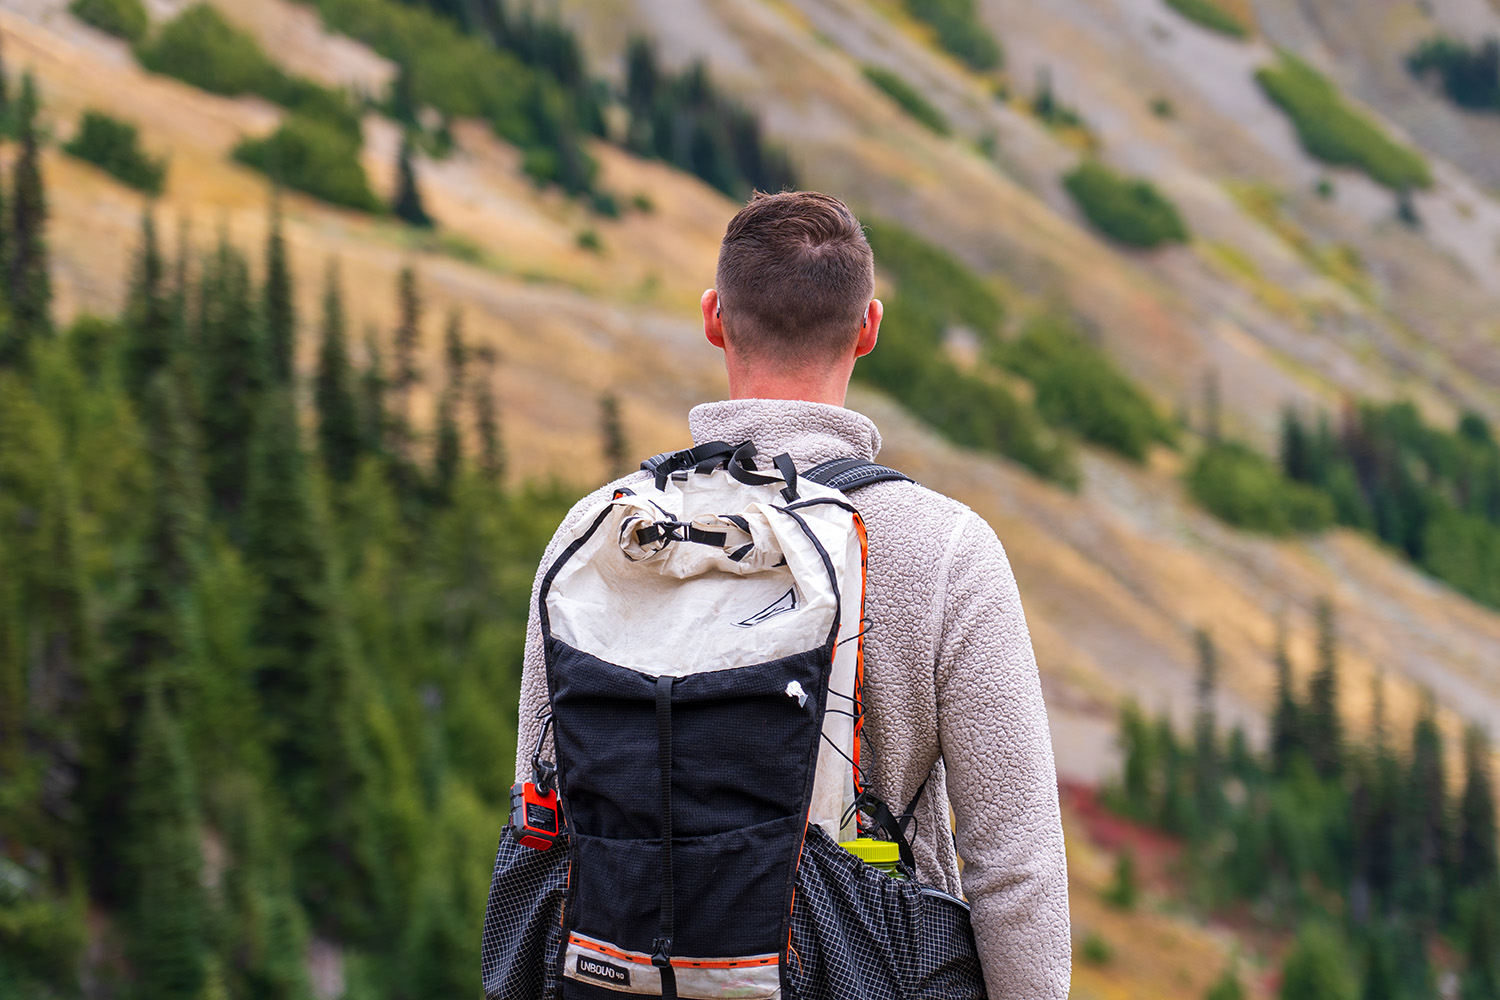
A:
(830, 388)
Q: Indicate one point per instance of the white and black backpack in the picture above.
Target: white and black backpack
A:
(704, 643)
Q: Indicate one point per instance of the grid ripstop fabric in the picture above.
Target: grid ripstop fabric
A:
(523, 921)
(859, 934)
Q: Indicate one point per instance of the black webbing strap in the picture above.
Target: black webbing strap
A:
(662, 466)
(679, 531)
(847, 474)
(661, 948)
(788, 470)
(893, 826)
(739, 460)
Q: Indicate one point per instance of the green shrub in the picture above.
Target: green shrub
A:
(1096, 950)
(1464, 551)
(1210, 15)
(1123, 892)
(1126, 209)
(113, 145)
(970, 410)
(125, 19)
(959, 31)
(910, 99)
(1337, 133)
(588, 239)
(1078, 387)
(1316, 969)
(464, 76)
(1470, 75)
(201, 48)
(935, 279)
(1226, 987)
(1244, 489)
(934, 292)
(41, 940)
(310, 155)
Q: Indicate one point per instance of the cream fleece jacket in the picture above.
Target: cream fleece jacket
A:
(951, 691)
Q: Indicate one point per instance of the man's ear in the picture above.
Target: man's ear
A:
(713, 319)
(869, 331)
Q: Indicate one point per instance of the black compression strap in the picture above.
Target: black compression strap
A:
(910, 812)
(851, 473)
(661, 950)
(893, 826)
(788, 470)
(662, 466)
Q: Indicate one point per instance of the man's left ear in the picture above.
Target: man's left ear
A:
(869, 328)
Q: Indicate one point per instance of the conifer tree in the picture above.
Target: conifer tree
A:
(407, 374)
(29, 283)
(168, 929)
(339, 437)
(1177, 814)
(1323, 729)
(1142, 762)
(1424, 853)
(1226, 987)
(148, 323)
(1314, 969)
(6, 110)
(612, 436)
(278, 309)
(1478, 865)
(258, 897)
(233, 369)
(449, 451)
(439, 947)
(407, 204)
(1378, 834)
(1380, 979)
(487, 416)
(175, 536)
(1207, 791)
(284, 547)
(1481, 946)
(1286, 721)
(374, 418)
(12, 675)
(305, 674)
(177, 311)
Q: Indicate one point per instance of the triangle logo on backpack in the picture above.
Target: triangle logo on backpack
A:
(786, 602)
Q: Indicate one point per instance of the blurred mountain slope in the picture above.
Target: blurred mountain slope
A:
(1116, 577)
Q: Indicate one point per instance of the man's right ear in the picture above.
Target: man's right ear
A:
(713, 318)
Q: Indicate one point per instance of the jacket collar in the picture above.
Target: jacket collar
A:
(809, 432)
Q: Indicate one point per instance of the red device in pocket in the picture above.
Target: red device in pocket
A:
(535, 810)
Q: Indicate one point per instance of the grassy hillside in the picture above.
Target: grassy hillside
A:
(1292, 292)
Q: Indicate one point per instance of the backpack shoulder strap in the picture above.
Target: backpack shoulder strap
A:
(847, 474)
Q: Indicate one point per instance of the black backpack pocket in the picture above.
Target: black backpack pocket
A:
(523, 921)
(859, 934)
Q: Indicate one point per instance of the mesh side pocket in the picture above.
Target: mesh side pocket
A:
(523, 921)
(858, 934)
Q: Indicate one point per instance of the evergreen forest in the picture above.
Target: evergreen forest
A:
(1363, 845)
(259, 634)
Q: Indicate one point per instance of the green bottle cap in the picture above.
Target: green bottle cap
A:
(873, 852)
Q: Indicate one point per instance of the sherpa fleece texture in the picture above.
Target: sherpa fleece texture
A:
(951, 691)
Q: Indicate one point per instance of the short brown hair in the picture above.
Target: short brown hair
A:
(795, 276)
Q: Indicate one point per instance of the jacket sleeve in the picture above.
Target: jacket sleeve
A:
(1001, 778)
